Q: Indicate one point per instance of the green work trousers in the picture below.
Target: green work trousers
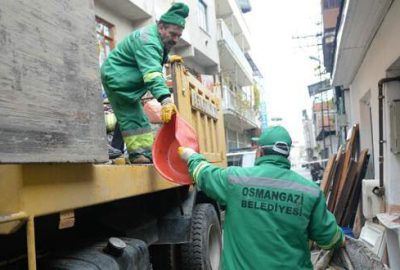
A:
(134, 124)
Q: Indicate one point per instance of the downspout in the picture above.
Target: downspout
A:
(380, 191)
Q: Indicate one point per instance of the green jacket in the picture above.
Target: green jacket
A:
(136, 64)
(271, 213)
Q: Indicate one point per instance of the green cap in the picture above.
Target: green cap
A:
(176, 14)
(276, 140)
(270, 136)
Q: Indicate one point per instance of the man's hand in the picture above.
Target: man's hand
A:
(185, 152)
(167, 110)
(175, 59)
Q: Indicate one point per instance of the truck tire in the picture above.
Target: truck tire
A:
(164, 257)
(204, 251)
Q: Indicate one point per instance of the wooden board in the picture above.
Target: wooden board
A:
(328, 173)
(343, 199)
(351, 210)
(50, 105)
(349, 153)
(335, 179)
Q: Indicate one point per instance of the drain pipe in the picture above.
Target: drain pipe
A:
(380, 191)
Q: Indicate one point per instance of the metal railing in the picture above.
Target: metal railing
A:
(226, 36)
(229, 100)
(232, 102)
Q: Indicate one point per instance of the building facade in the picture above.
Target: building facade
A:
(323, 111)
(323, 119)
(366, 70)
(240, 90)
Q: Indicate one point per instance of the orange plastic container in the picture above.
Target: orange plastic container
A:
(165, 149)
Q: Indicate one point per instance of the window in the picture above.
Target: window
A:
(105, 38)
(202, 14)
(235, 160)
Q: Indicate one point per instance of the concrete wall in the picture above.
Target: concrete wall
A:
(204, 41)
(383, 52)
(122, 26)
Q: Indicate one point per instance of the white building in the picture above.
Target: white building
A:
(367, 58)
(213, 46)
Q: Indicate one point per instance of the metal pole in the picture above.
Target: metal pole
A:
(329, 129)
(30, 237)
(322, 127)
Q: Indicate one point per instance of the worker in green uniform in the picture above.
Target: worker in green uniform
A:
(134, 67)
(271, 211)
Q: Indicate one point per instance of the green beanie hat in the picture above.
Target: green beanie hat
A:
(277, 138)
(176, 14)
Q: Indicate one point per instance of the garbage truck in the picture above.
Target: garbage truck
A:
(63, 205)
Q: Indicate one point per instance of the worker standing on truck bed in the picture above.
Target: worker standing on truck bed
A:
(134, 67)
(271, 211)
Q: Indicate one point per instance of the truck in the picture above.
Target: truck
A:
(62, 204)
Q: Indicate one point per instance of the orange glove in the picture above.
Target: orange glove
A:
(167, 110)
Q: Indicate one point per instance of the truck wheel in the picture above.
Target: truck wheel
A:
(204, 252)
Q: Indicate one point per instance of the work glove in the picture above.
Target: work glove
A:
(167, 110)
(185, 152)
(175, 59)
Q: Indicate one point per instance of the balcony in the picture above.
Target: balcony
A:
(230, 12)
(134, 10)
(232, 58)
(235, 112)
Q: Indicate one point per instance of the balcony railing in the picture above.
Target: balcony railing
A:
(231, 12)
(235, 103)
(226, 37)
(229, 101)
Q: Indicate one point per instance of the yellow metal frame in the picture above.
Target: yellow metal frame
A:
(30, 234)
(30, 239)
(43, 189)
(209, 126)
(34, 190)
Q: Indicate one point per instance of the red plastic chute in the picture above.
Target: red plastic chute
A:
(166, 159)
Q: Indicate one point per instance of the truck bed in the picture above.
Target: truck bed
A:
(41, 189)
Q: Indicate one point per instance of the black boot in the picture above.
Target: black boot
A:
(113, 153)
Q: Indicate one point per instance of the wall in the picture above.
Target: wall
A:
(205, 42)
(366, 129)
(347, 106)
(190, 62)
(383, 52)
(122, 26)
